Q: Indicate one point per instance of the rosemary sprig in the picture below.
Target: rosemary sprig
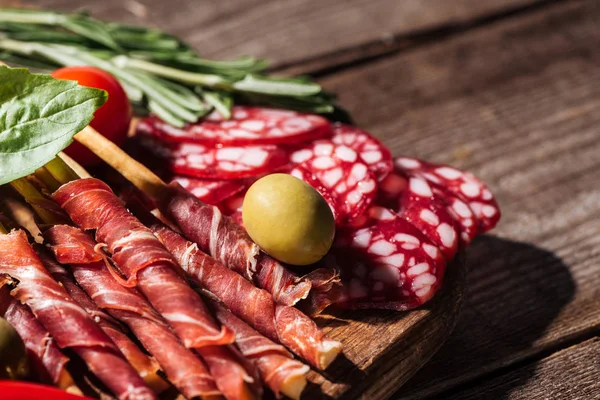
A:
(159, 72)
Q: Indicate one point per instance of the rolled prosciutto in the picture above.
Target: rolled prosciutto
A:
(183, 368)
(225, 240)
(69, 324)
(283, 324)
(146, 366)
(149, 266)
(278, 369)
(47, 361)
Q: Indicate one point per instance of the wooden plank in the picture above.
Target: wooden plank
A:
(287, 32)
(516, 103)
(569, 374)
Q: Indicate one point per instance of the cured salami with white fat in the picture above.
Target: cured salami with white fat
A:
(417, 203)
(342, 173)
(247, 126)
(301, 172)
(202, 161)
(370, 150)
(211, 191)
(386, 264)
(464, 185)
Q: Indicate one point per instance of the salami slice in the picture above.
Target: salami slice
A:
(233, 207)
(422, 208)
(211, 191)
(341, 172)
(461, 213)
(464, 185)
(417, 203)
(247, 126)
(371, 151)
(301, 172)
(386, 264)
(391, 192)
(202, 161)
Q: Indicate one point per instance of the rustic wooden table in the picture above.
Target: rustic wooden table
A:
(509, 89)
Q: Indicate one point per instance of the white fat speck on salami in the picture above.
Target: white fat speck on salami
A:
(370, 150)
(387, 263)
(462, 214)
(341, 172)
(247, 126)
(211, 191)
(302, 172)
(418, 204)
(221, 162)
(463, 186)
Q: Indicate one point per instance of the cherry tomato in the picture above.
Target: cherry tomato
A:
(17, 390)
(111, 120)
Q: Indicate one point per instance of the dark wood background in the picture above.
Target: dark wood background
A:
(509, 89)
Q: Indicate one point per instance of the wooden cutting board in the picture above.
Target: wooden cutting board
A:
(383, 349)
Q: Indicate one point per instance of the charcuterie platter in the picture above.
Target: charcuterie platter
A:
(243, 241)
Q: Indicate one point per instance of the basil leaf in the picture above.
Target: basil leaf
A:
(39, 116)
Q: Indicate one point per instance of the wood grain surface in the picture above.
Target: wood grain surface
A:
(571, 373)
(513, 96)
(291, 30)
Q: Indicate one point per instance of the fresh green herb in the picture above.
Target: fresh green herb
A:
(39, 116)
(160, 73)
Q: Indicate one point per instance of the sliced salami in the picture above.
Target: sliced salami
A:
(422, 208)
(247, 126)
(233, 207)
(370, 150)
(390, 190)
(302, 172)
(341, 172)
(211, 191)
(386, 264)
(462, 214)
(202, 161)
(463, 185)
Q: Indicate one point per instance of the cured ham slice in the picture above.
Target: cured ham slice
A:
(66, 321)
(184, 369)
(45, 357)
(387, 263)
(146, 367)
(280, 323)
(278, 369)
(464, 185)
(229, 162)
(248, 125)
(228, 242)
(149, 266)
(144, 261)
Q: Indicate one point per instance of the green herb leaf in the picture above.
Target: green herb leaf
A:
(160, 73)
(39, 116)
(282, 87)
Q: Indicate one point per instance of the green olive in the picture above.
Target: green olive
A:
(288, 219)
(13, 355)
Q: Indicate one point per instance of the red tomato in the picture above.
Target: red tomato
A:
(16, 390)
(111, 120)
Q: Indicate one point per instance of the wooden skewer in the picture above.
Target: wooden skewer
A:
(135, 172)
